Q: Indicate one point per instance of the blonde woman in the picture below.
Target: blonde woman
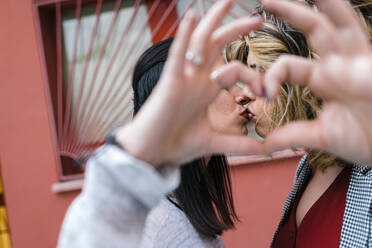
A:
(330, 203)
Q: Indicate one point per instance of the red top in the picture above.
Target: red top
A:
(321, 226)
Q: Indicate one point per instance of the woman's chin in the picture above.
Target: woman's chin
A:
(252, 131)
(260, 133)
(244, 130)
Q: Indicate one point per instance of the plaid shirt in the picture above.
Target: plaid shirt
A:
(356, 229)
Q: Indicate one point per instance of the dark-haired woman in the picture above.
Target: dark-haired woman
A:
(201, 208)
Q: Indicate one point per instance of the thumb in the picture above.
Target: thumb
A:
(300, 134)
(235, 145)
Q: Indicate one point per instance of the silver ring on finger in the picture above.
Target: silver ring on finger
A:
(194, 58)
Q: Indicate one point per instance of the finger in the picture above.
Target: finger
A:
(301, 134)
(201, 35)
(296, 70)
(319, 31)
(287, 68)
(339, 12)
(297, 14)
(226, 76)
(345, 18)
(235, 145)
(229, 32)
(176, 58)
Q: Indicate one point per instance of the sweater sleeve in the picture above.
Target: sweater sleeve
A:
(118, 193)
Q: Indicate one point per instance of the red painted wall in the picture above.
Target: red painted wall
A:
(26, 145)
(259, 193)
(28, 157)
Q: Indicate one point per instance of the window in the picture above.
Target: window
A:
(88, 49)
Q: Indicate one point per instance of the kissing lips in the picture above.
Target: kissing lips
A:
(248, 115)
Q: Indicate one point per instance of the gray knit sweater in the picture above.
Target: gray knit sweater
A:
(168, 226)
(118, 193)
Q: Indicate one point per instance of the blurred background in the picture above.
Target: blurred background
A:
(66, 70)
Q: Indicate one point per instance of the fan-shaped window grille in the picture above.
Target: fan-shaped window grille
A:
(89, 48)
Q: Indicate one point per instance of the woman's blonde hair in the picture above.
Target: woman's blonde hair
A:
(294, 102)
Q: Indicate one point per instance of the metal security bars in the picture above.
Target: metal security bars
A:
(89, 49)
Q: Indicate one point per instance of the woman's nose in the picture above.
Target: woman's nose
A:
(242, 100)
(245, 96)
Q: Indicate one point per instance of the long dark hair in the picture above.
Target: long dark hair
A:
(204, 194)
